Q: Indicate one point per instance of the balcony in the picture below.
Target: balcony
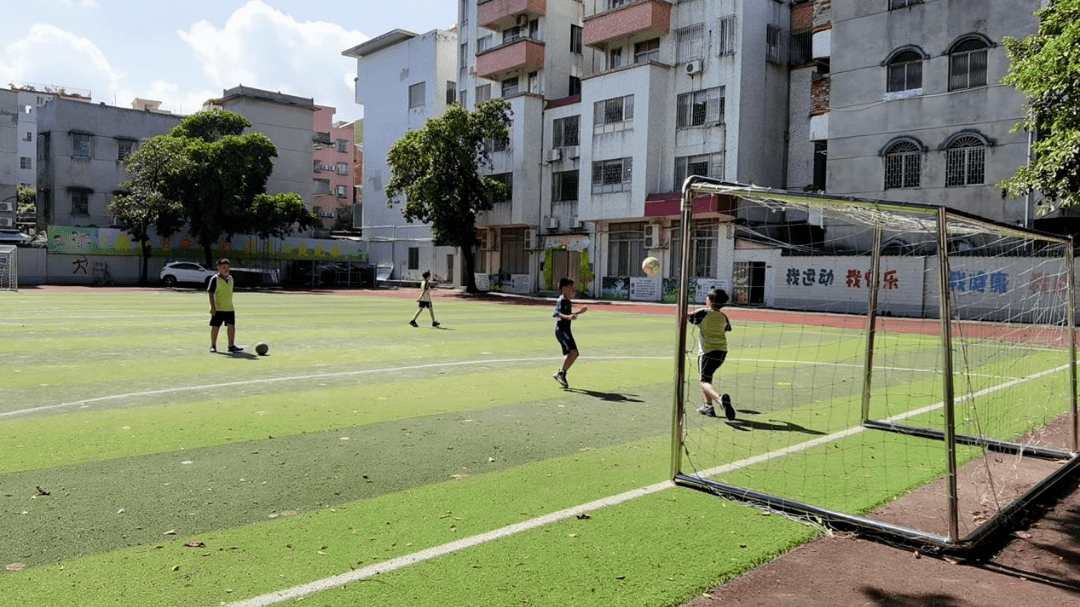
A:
(503, 14)
(523, 54)
(636, 19)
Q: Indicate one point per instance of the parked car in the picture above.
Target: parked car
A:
(185, 272)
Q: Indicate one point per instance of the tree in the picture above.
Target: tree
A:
(437, 171)
(150, 200)
(1044, 67)
(26, 198)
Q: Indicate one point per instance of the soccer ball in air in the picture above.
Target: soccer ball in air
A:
(651, 266)
(262, 348)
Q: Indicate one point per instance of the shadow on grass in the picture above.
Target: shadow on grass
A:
(612, 397)
(747, 425)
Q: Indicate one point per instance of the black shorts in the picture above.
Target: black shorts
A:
(709, 362)
(566, 340)
(424, 304)
(219, 318)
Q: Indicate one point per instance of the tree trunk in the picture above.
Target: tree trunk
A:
(469, 270)
(144, 262)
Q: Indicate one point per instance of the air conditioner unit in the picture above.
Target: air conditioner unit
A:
(552, 223)
(572, 152)
(577, 224)
(652, 233)
(6, 222)
(693, 67)
(530, 239)
(554, 154)
(6, 207)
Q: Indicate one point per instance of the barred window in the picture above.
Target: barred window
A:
(967, 64)
(483, 93)
(610, 111)
(416, 96)
(648, 50)
(509, 87)
(611, 175)
(902, 166)
(626, 249)
(706, 165)
(80, 145)
(124, 148)
(513, 257)
(904, 72)
(506, 179)
(772, 44)
(727, 35)
(80, 202)
(965, 161)
(895, 4)
(703, 250)
(565, 131)
(564, 186)
(451, 92)
(615, 58)
(700, 107)
(689, 43)
(575, 39)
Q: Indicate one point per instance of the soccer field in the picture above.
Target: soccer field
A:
(363, 462)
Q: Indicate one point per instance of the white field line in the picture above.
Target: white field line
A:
(298, 592)
(267, 380)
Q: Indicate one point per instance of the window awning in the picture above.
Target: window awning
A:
(669, 204)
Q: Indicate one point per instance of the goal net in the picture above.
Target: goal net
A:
(859, 382)
(9, 268)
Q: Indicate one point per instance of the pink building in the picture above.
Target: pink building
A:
(335, 164)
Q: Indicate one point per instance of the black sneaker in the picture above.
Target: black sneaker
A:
(235, 349)
(434, 324)
(213, 349)
(729, 411)
(413, 323)
(706, 410)
(561, 378)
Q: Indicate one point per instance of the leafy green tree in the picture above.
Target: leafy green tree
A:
(437, 171)
(151, 199)
(26, 199)
(1044, 67)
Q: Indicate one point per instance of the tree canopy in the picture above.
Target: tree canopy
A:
(436, 170)
(1046, 68)
(216, 175)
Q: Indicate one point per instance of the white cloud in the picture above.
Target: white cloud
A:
(86, 4)
(52, 56)
(263, 47)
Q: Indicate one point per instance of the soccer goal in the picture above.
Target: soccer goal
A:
(9, 268)
(859, 382)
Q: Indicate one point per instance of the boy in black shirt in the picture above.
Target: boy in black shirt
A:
(565, 312)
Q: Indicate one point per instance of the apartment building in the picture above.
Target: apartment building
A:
(335, 162)
(80, 153)
(403, 79)
(9, 148)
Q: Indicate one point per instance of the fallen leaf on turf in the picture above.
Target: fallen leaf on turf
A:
(195, 545)
(176, 568)
(584, 516)
(42, 491)
(170, 532)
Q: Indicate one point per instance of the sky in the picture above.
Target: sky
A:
(183, 53)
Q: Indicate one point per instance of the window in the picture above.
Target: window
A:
(451, 92)
(689, 43)
(463, 56)
(611, 175)
(80, 202)
(902, 162)
(703, 250)
(512, 34)
(964, 161)
(342, 146)
(416, 96)
(342, 168)
(615, 58)
(80, 145)
(124, 147)
(626, 249)
(772, 43)
(483, 93)
(618, 3)
(509, 87)
(506, 179)
(575, 85)
(341, 191)
(575, 39)
(513, 259)
(463, 98)
(28, 136)
(564, 186)
(24, 162)
(727, 35)
(494, 145)
(44, 146)
(610, 111)
(648, 50)
(322, 187)
(895, 4)
(414, 258)
(967, 64)
(801, 47)
(565, 131)
(483, 43)
(704, 107)
(706, 165)
(905, 72)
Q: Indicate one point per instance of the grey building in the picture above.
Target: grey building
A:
(9, 121)
(81, 151)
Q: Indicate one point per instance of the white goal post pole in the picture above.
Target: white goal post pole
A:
(681, 314)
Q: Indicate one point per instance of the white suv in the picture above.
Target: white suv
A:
(186, 272)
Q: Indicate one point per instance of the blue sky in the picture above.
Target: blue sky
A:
(183, 53)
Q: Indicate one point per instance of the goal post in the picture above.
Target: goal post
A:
(9, 268)
(905, 347)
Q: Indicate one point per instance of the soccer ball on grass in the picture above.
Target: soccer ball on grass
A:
(262, 348)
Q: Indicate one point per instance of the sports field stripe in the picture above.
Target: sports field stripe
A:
(267, 380)
(304, 590)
